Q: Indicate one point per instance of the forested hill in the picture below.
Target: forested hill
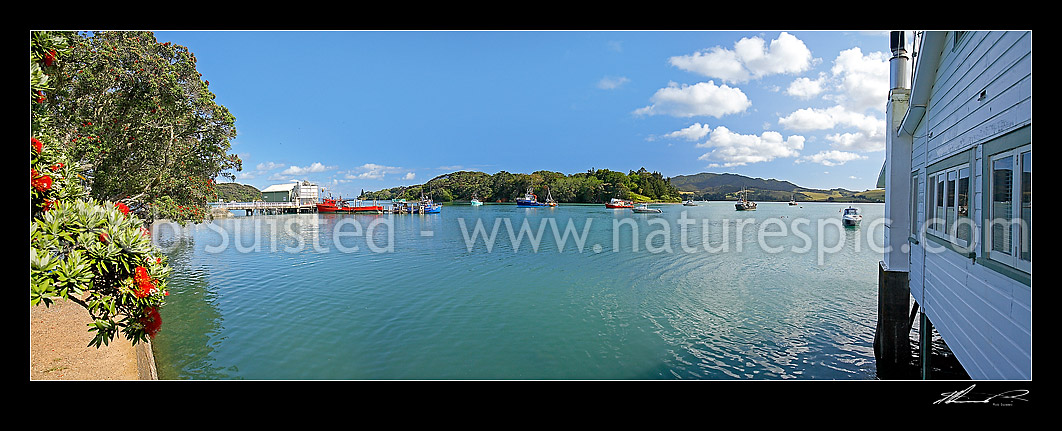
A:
(235, 192)
(712, 186)
(592, 186)
(600, 185)
(730, 182)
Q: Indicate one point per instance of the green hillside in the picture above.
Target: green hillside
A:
(592, 186)
(235, 192)
(600, 185)
(716, 187)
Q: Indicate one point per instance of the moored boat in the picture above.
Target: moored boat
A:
(851, 217)
(529, 200)
(743, 203)
(689, 203)
(428, 206)
(339, 206)
(549, 198)
(475, 201)
(619, 203)
(644, 208)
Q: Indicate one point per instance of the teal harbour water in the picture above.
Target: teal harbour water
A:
(692, 293)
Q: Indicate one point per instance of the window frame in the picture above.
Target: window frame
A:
(938, 190)
(1013, 257)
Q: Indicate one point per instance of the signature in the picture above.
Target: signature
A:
(959, 397)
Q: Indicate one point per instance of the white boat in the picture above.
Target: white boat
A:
(792, 200)
(475, 201)
(689, 203)
(743, 203)
(549, 198)
(851, 217)
(644, 208)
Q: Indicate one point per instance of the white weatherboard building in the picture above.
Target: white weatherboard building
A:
(287, 192)
(958, 180)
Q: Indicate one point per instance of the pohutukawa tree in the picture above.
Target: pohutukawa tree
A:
(142, 123)
(94, 253)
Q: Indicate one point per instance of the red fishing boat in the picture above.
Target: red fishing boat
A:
(619, 203)
(329, 205)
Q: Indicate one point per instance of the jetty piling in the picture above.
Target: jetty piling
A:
(892, 346)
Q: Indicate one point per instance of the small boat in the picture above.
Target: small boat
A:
(339, 206)
(644, 208)
(689, 203)
(549, 198)
(851, 217)
(619, 203)
(427, 206)
(475, 201)
(529, 200)
(792, 200)
(743, 203)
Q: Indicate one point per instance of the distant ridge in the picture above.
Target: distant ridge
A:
(715, 187)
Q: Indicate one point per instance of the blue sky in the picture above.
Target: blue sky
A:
(353, 110)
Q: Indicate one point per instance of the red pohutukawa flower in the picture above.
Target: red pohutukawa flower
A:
(143, 290)
(42, 183)
(36, 145)
(141, 274)
(152, 321)
(144, 283)
(121, 207)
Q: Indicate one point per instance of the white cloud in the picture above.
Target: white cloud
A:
(832, 158)
(858, 141)
(863, 79)
(409, 176)
(313, 168)
(373, 171)
(691, 133)
(268, 166)
(612, 83)
(751, 58)
(734, 149)
(806, 88)
(869, 134)
(858, 83)
(815, 119)
(703, 98)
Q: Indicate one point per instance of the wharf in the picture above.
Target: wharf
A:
(259, 207)
(264, 207)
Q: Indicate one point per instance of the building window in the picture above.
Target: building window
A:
(1009, 236)
(949, 214)
(963, 224)
(914, 201)
(957, 39)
